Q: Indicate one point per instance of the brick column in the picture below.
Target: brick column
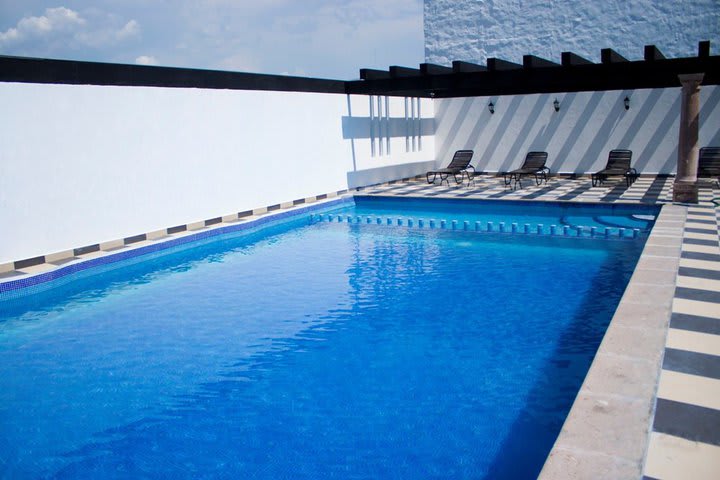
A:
(685, 188)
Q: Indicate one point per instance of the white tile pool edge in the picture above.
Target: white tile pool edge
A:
(606, 434)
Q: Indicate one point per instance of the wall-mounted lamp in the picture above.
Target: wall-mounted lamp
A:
(627, 103)
(556, 104)
(491, 107)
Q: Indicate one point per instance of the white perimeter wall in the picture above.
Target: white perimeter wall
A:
(86, 164)
(579, 136)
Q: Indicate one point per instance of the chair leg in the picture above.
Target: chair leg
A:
(470, 179)
(427, 177)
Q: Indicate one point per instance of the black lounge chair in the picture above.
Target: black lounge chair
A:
(459, 165)
(709, 163)
(618, 164)
(534, 165)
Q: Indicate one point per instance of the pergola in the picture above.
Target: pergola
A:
(573, 74)
(464, 79)
(537, 75)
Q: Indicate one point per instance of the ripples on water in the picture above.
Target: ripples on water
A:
(328, 351)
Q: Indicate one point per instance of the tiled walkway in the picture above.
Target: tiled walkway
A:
(684, 442)
(645, 190)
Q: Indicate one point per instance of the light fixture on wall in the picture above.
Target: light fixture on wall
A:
(627, 103)
(491, 107)
(556, 104)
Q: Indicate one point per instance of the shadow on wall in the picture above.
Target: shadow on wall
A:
(600, 146)
(355, 128)
(709, 109)
(384, 128)
(579, 136)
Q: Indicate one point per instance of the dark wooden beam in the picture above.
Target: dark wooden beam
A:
(397, 72)
(74, 72)
(652, 53)
(579, 78)
(498, 65)
(608, 55)
(432, 69)
(467, 67)
(576, 75)
(531, 61)
(371, 74)
(569, 59)
(704, 48)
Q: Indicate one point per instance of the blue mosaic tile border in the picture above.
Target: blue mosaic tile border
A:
(16, 288)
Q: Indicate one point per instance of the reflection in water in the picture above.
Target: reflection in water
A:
(333, 351)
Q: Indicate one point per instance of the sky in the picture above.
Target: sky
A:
(314, 38)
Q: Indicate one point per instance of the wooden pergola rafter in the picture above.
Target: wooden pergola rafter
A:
(537, 75)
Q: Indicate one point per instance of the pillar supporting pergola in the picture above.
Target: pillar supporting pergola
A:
(685, 188)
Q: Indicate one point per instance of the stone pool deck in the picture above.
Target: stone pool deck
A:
(650, 405)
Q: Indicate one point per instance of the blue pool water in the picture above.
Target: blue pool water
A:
(308, 352)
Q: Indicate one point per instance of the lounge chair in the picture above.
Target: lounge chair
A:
(709, 163)
(618, 164)
(459, 165)
(534, 165)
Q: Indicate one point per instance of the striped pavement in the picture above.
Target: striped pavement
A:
(685, 438)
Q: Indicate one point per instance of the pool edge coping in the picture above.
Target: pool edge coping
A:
(608, 426)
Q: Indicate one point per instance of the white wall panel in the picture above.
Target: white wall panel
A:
(86, 164)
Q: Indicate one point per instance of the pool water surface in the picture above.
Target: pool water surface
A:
(309, 351)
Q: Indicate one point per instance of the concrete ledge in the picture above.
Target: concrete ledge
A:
(374, 176)
(606, 432)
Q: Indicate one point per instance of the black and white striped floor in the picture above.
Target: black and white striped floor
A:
(685, 438)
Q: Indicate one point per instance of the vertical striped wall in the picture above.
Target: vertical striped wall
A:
(579, 136)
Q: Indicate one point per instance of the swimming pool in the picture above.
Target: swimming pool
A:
(309, 351)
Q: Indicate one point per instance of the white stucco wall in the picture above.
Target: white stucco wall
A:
(474, 30)
(86, 164)
(579, 136)
(393, 138)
